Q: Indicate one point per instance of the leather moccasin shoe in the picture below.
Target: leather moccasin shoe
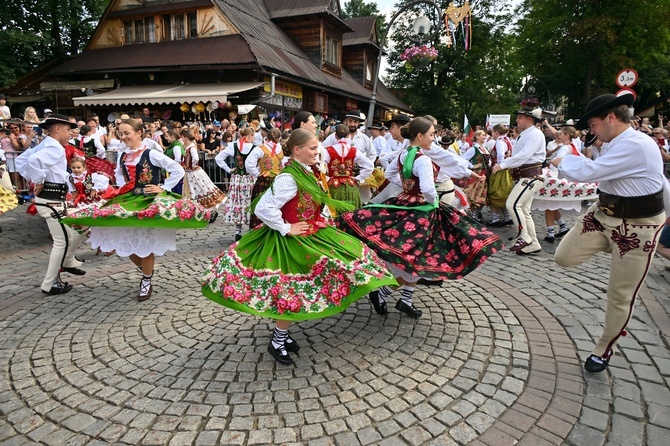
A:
(596, 364)
(280, 355)
(58, 289)
(562, 231)
(519, 245)
(142, 297)
(75, 271)
(379, 306)
(408, 309)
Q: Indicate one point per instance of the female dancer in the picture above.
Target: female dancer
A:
(142, 220)
(296, 266)
(264, 163)
(475, 188)
(560, 194)
(241, 183)
(197, 185)
(500, 183)
(94, 152)
(418, 236)
(175, 151)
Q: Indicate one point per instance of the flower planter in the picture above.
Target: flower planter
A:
(421, 63)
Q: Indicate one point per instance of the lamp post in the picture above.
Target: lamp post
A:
(421, 26)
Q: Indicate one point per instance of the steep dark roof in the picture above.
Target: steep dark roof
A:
(363, 31)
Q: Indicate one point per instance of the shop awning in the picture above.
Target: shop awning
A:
(166, 94)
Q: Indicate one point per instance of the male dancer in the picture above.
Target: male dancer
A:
(526, 163)
(626, 220)
(46, 166)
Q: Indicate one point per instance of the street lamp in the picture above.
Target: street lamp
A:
(421, 26)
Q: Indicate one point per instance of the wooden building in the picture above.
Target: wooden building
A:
(282, 55)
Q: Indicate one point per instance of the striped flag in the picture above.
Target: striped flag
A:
(468, 130)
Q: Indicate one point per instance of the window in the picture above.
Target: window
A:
(180, 26)
(368, 71)
(332, 55)
(139, 30)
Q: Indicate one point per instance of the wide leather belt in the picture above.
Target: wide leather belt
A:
(527, 171)
(631, 207)
(53, 191)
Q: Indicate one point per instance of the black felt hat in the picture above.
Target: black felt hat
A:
(355, 114)
(600, 104)
(56, 118)
(400, 118)
(535, 113)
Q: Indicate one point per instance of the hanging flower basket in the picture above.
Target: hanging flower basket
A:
(418, 56)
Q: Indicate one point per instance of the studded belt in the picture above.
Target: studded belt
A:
(631, 207)
(53, 191)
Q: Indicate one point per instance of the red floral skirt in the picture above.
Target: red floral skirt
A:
(437, 244)
(99, 165)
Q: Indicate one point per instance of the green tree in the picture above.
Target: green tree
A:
(484, 79)
(358, 8)
(33, 33)
(576, 48)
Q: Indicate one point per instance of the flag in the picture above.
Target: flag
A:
(468, 130)
(488, 122)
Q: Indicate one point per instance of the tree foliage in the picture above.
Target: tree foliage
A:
(34, 33)
(358, 8)
(482, 80)
(576, 47)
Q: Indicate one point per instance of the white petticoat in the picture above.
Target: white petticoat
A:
(139, 241)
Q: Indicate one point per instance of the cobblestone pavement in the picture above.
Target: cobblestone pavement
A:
(496, 359)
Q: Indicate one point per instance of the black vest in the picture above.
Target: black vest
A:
(145, 172)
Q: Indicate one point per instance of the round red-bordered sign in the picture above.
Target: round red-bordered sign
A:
(626, 78)
(626, 90)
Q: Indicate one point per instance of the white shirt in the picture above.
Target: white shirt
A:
(393, 149)
(268, 209)
(45, 162)
(158, 159)
(360, 160)
(529, 149)
(630, 167)
(380, 145)
(194, 154)
(422, 168)
(501, 148)
(5, 113)
(451, 165)
(245, 149)
(251, 163)
(258, 138)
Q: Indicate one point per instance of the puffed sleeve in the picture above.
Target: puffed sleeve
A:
(251, 163)
(423, 168)
(220, 157)
(268, 209)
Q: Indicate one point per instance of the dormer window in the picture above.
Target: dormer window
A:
(139, 31)
(332, 51)
(180, 26)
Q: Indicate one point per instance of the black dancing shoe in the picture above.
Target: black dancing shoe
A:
(75, 271)
(58, 289)
(430, 282)
(213, 218)
(238, 237)
(379, 306)
(495, 224)
(562, 231)
(596, 364)
(408, 309)
(280, 354)
(290, 345)
(549, 238)
(509, 222)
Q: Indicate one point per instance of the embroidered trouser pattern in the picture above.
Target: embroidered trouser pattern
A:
(65, 241)
(518, 206)
(632, 243)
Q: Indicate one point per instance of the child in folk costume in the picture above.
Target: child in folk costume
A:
(343, 160)
(416, 234)
(560, 194)
(197, 185)
(296, 266)
(94, 152)
(264, 163)
(84, 187)
(475, 188)
(500, 184)
(241, 183)
(141, 221)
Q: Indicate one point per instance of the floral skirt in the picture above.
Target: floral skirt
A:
(198, 187)
(561, 194)
(437, 244)
(8, 200)
(476, 190)
(164, 210)
(294, 278)
(239, 199)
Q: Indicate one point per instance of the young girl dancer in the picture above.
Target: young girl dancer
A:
(417, 235)
(296, 266)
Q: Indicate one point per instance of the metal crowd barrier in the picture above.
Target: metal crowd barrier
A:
(17, 180)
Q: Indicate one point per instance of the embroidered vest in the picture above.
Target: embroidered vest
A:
(142, 174)
(88, 148)
(271, 164)
(238, 160)
(410, 186)
(494, 151)
(303, 208)
(341, 168)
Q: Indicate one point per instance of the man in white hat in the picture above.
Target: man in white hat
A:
(528, 154)
(628, 217)
(46, 166)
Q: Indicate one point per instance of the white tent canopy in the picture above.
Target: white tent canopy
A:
(166, 94)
